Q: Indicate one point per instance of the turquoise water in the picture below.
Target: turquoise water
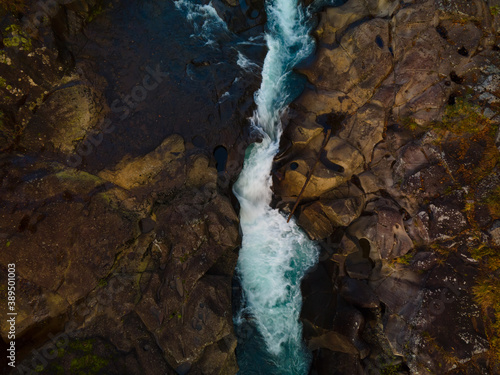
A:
(275, 254)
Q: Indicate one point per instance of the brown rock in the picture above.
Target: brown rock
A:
(356, 78)
(495, 233)
(63, 242)
(333, 341)
(320, 218)
(358, 266)
(202, 322)
(314, 221)
(399, 290)
(385, 232)
(359, 294)
(72, 110)
(130, 174)
(364, 129)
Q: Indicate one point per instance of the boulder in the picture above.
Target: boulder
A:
(328, 362)
(333, 341)
(319, 299)
(133, 173)
(336, 70)
(399, 290)
(350, 322)
(359, 294)
(300, 131)
(64, 240)
(201, 322)
(72, 111)
(322, 180)
(200, 227)
(321, 217)
(365, 129)
(495, 233)
(330, 167)
(357, 266)
(385, 232)
(314, 221)
(334, 21)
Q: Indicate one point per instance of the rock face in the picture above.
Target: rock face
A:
(401, 196)
(124, 233)
(68, 123)
(121, 227)
(171, 282)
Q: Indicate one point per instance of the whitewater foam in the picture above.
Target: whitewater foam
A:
(247, 65)
(275, 254)
(207, 23)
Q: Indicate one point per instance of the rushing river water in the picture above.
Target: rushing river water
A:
(275, 254)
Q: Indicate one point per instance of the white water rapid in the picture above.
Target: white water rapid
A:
(275, 254)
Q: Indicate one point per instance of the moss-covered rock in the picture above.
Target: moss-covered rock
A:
(64, 118)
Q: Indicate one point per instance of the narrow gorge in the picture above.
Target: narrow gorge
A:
(153, 153)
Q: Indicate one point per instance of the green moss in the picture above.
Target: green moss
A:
(390, 370)
(10, 136)
(482, 252)
(389, 365)
(493, 202)
(88, 364)
(94, 12)
(426, 335)
(85, 362)
(405, 259)
(102, 283)
(409, 123)
(472, 137)
(83, 345)
(464, 117)
(57, 370)
(17, 38)
(494, 10)
(448, 190)
(80, 357)
(487, 294)
(4, 59)
(14, 6)
(79, 176)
